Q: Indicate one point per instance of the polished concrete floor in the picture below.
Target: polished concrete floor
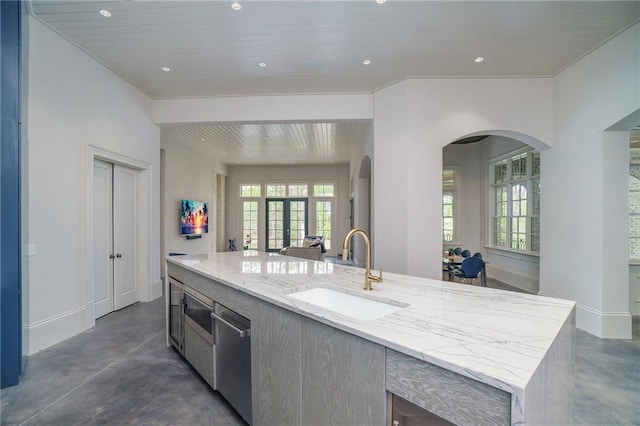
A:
(121, 373)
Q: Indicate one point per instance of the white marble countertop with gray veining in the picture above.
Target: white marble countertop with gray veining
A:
(496, 337)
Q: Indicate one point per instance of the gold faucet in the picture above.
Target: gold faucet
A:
(368, 277)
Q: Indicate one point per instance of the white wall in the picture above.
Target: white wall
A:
(361, 193)
(576, 232)
(413, 120)
(188, 175)
(469, 209)
(75, 102)
(338, 174)
(264, 108)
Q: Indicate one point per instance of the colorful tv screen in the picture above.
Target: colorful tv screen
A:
(194, 219)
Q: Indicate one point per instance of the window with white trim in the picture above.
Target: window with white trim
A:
(515, 202)
(324, 194)
(448, 205)
(634, 206)
(250, 224)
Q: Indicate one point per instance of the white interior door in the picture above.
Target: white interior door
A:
(115, 216)
(102, 237)
(125, 217)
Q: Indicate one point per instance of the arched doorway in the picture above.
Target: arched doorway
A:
(491, 204)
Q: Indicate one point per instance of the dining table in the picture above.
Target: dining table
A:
(455, 260)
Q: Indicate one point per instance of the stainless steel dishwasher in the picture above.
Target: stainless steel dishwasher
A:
(233, 359)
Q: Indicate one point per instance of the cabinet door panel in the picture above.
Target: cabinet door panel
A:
(343, 378)
(276, 360)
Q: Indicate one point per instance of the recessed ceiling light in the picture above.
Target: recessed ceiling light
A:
(265, 138)
(262, 65)
(367, 62)
(380, 1)
(203, 139)
(166, 69)
(236, 6)
(479, 59)
(105, 13)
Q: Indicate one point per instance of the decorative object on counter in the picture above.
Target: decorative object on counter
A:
(247, 242)
(368, 276)
(232, 244)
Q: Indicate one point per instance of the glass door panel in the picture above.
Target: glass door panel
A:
(286, 222)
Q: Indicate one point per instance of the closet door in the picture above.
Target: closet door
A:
(115, 217)
(125, 218)
(102, 237)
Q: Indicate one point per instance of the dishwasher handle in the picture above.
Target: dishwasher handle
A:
(241, 333)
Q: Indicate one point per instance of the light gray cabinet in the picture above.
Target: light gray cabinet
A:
(276, 359)
(308, 373)
(342, 378)
(449, 395)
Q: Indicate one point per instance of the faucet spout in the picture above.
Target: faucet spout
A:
(368, 276)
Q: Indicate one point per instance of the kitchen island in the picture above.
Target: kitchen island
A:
(470, 355)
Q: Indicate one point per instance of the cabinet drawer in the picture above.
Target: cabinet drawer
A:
(449, 395)
(199, 352)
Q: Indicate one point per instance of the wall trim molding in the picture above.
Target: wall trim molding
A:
(606, 325)
(522, 282)
(155, 289)
(47, 332)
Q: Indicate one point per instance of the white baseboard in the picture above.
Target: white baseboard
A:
(606, 325)
(155, 289)
(528, 284)
(42, 334)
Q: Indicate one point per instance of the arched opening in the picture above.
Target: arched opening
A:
(491, 204)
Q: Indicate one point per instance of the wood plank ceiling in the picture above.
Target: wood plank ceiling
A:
(319, 47)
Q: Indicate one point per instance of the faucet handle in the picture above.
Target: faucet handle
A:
(377, 279)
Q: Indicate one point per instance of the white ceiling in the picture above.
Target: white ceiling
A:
(319, 46)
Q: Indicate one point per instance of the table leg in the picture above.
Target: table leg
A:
(483, 280)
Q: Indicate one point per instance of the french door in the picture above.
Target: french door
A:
(286, 222)
(115, 218)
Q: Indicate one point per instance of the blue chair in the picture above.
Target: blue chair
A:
(478, 254)
(457, 251)
(469, 269)
(466, 253)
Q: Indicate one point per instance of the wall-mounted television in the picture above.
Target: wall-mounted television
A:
(194, 218)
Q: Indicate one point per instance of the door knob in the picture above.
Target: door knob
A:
(111, 256)
(118, 255)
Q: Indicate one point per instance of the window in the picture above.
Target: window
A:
(298, 190)
(448, 200)
(285, 212)
(251, 190)
(323, 190)
(323, 221)
(276, 190)
(250, 224)
(515, 195)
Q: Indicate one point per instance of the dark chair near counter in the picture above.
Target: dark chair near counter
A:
(465, 253)
(469, 269)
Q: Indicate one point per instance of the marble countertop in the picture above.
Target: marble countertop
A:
(494, 336)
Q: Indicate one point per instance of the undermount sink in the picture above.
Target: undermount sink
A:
(357, 307)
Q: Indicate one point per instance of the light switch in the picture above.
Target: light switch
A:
(30, 250)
